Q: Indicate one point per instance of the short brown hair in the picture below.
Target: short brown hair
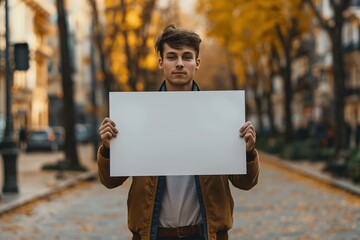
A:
(176, 38)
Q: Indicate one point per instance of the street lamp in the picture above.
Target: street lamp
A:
(9, 150)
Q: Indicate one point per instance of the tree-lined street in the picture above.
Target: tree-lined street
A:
(284, 205)
(296, 60)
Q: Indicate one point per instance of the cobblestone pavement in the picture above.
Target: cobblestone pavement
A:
(283, 205)
(286, 205)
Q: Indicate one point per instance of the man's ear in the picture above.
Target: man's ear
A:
(197, 63)
(160, 60)
(160, 63)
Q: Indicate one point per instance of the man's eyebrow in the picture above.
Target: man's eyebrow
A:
(184, 53)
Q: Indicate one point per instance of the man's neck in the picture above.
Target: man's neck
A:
(172, 87)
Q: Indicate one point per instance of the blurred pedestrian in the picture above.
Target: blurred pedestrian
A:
(321, 133)
(357, 134)
(302, 132)
(348, 131)
(174, 207)
(22, 137)
(330, 134)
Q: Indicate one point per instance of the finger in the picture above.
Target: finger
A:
(253, 134)
(248, 137)
(248, 129)
(108, 126)
(250, 141)
(246, 126)
(105, 138)
(105, 135)
(108, 133)
(108, 121)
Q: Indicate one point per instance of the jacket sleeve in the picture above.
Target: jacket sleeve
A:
(103, 162)
(250, 179)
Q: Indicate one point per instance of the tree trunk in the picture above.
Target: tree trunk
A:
(105, 68)
(288, 91)
(127, 49)
(258, 101)
(339, 83)
(270, 110)
(339, 75)
(269, 90)
(286, 43)
(143, 49)
(67, 86)
(233, 77)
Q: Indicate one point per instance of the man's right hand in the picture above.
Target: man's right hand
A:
(107, 131)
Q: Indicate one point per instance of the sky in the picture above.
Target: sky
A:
(186, 5)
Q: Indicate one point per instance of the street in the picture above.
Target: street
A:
(288, 70)
(284, 205)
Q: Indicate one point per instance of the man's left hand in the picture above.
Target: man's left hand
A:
(247, 131)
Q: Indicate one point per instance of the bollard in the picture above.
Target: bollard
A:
(60, 172)
(10, 170)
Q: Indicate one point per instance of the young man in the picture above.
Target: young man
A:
(174, 207)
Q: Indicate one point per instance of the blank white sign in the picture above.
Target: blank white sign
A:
(177, 133)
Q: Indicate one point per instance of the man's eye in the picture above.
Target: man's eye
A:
(171, 57)
(188, 57)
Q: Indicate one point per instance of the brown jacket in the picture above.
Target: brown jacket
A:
(215, 199)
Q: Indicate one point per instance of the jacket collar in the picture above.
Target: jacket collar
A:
(195, 87)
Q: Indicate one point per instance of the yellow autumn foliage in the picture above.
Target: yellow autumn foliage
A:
(133, 19)
(123, 40)
(248, 28)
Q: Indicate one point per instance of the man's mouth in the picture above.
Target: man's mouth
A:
(179, 72)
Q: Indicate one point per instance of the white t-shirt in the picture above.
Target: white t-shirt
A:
(180, 205)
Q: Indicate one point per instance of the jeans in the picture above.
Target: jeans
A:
(184, 238)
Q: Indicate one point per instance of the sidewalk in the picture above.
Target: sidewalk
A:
(35, 184)
(313, 170)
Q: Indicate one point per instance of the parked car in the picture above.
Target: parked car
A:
(41, 139)
(59, 135)
(82, 133)
(2, 129)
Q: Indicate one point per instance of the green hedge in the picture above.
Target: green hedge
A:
(297, 151)
(353, 165)
(312, 150)
(272, 145)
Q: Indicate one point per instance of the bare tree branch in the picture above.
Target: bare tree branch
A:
(280, 35)
(318, 15)
(98, 38)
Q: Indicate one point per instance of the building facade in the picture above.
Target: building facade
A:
(37, 92)
(29, 23)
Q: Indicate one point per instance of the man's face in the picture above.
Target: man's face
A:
(179, 66)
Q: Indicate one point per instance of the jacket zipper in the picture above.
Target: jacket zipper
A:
(155, 211)
(202, 206)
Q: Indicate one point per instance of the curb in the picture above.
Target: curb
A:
(63, 185)
(315, 174)
(338, 183)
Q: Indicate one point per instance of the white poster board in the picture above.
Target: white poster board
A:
(177, 133)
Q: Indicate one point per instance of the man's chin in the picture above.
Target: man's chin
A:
(180, 82)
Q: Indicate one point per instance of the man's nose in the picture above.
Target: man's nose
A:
(180, 62)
